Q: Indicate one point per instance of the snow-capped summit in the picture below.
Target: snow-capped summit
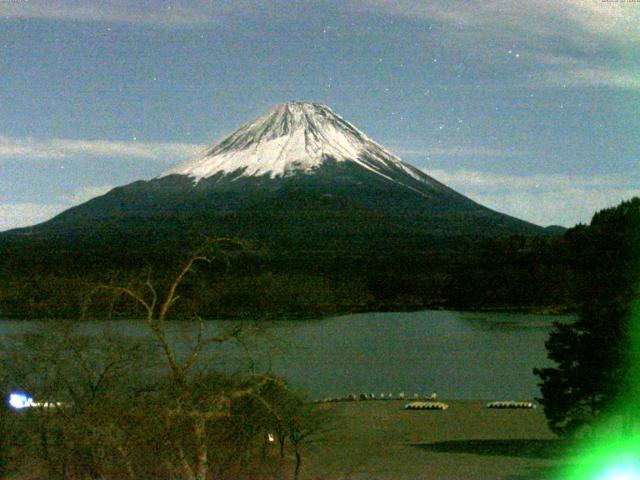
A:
(295, 137)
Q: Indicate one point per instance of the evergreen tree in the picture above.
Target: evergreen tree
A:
(592, 365)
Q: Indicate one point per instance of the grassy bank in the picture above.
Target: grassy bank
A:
(381, 440)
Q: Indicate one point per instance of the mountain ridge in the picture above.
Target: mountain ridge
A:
(318, 155)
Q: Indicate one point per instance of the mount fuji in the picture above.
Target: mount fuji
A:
(298, 179)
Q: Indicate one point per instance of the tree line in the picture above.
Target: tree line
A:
(510, 273)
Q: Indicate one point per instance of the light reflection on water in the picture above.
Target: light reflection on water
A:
(458, 355)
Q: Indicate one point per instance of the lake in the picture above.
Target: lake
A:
(459, 355)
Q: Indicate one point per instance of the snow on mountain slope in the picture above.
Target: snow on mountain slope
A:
(296, 137)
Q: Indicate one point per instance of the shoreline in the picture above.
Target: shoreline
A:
(550, 311)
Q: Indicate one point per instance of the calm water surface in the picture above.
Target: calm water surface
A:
(458, 355)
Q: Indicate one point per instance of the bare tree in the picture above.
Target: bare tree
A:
(190, 409)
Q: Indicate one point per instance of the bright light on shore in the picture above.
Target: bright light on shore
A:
(19, 400)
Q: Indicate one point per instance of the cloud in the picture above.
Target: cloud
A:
(564, 43)
(15, 215)
(28, 148)
(24, 214)
(157, 13)
(591, 76)
(561, 70)
(565, 207)
(585, 18)
(545, 182)
(112, 11)
(458, 151)
(543, 199)
(582, 18)
(614, 19)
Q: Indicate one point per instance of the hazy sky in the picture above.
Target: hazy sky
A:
(529, 107)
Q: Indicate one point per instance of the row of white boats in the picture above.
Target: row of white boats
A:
(352, 397)
(511, 404)
(426, 402)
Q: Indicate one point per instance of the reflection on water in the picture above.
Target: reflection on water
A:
(458, 355)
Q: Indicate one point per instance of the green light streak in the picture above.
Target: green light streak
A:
(612, 452)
